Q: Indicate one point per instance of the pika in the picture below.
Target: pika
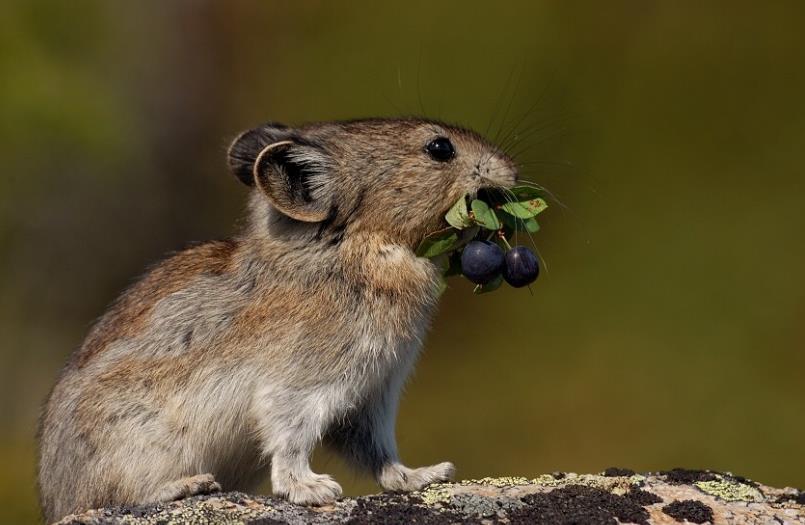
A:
(232, 360)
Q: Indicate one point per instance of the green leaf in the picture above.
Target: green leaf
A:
(484, 215)
(491, 286)
(458, 216)
(438, 242)
(513, 223)
(525, 209)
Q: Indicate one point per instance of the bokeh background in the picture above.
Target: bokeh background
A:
(668, 330)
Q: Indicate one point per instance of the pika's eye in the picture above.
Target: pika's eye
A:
(441, 149)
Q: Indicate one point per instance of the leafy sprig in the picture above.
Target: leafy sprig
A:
(470, 217)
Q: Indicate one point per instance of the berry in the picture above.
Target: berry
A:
(481, 261)
(522, 267)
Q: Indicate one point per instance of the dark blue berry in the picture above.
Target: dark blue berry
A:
(481, 261)
(522, 267)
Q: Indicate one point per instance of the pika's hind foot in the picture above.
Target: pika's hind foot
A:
(315, 489)
(399, 477)
(186, 487)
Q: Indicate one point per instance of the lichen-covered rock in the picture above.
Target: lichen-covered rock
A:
(615, 496)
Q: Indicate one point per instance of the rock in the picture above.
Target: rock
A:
(615, 496)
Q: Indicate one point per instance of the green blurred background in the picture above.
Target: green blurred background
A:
(668, 330)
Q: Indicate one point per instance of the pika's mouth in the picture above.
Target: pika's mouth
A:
(492, 195)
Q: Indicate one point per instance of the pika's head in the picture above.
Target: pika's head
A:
(397, 177)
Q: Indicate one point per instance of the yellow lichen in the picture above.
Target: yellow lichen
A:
(435, 493)
(547, 480)
(506, 481)
(440, 493)
(637, 479)
(730, 490)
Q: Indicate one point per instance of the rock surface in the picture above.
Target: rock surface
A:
(615, 496)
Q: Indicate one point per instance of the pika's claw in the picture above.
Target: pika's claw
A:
(399, 477)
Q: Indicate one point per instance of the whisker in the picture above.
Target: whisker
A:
(542, 260)
(546, 163)
(530, 110)
(503, 121)
(526, 147)
(509, 196)
(540, 187)
(505, 118)
(497, 103)
(546, 126)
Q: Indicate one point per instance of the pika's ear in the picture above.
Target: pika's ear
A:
(247, 146)
(296, 178)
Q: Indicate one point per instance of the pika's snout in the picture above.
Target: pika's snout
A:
(495, 170)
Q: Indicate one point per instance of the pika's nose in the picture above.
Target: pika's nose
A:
(500, 170)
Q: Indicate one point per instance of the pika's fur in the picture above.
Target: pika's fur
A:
(233, 359)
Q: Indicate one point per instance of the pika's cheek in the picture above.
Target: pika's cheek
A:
(467, 182)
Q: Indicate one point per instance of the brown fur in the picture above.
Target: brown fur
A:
(235, 357)
(127, 315)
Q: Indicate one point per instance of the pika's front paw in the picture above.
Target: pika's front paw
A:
(317, 489)
(399, 477)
